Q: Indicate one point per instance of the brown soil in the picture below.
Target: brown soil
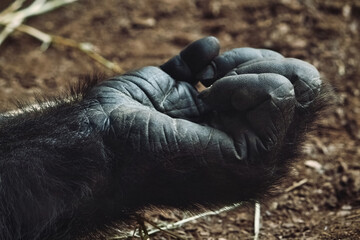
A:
(135, 33)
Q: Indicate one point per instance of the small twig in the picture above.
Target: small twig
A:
(12, 18)
(186, 220)
(10, 28)
(257, 221)
(296, 185)
(38, 7)
(353, 216)
(144, 235)
(12, 8)
(43, 37)
(86, 48)
(51, 5)
(135, 232)
(182, 222)
(163, 230)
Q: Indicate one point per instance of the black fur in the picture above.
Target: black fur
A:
(57, 179)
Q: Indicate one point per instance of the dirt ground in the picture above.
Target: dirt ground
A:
(135, 33)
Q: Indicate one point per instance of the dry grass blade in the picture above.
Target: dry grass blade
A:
(12, 8)
(143, 232)
(257, 221)
(296, 185)
(88, 49)
(170, 226)
(164, 230)
(12, 19)
(38, 7)
(43, 37)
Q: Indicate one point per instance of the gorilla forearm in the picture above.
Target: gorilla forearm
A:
(51, 163)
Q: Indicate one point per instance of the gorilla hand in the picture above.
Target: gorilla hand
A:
(174, 146)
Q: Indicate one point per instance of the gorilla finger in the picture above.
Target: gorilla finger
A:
(186, 65)
(227, 61)
(304, 76)
(265, 102)
(246, 91)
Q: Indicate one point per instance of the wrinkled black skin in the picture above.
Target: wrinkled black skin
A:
(148, 138)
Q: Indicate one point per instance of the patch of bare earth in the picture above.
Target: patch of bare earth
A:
(135, 33)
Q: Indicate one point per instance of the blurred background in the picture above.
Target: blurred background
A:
(321, 198)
